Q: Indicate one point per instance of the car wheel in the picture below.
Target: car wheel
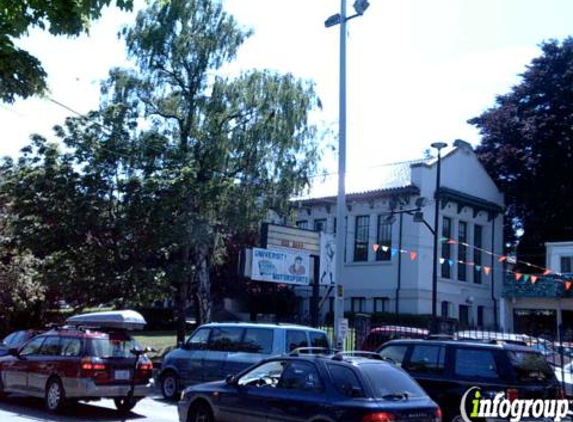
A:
(55, 395)
(200, 413)
(169, 386)
(125, 404)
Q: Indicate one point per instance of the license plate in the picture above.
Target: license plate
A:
(121, 375)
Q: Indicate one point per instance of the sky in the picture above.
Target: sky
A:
(417, 70)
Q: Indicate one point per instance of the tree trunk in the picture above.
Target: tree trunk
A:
(180, 303)
(203, 298)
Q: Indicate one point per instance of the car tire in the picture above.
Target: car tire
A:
(169, 385)
(55, 397)
(200, 413)
(125, 404)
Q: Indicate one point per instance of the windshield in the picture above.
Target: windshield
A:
(112, 347)
(390, 383)
(530, 367)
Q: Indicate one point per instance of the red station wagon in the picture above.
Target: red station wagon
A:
(78, 363)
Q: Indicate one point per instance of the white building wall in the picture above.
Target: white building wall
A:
(462, 172)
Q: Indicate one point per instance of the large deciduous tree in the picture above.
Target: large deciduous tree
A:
(22, 74)
(239, 146)
(179, 159)
(527, 147)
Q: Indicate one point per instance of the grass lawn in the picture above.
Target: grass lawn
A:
(162, 341)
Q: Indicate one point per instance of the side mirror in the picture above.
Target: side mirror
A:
(12, 351)
(231, 380)
(185, 346)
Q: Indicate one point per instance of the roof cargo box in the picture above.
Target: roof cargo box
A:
(125, 320)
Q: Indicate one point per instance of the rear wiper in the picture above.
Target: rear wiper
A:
(396, 396)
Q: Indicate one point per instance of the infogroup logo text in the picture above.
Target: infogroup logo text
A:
(512, 410)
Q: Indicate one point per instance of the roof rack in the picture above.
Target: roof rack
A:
(312, 351)
(362, 353)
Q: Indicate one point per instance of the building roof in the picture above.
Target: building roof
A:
(368, 182)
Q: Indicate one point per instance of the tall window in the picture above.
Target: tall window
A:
(320, 225)
(357, 304)
(446, 247)
(381, 304)
(478, 243)
(566, 264)
(462, 251)
(361, 238)
(302, 224)
(383, 239)
(464, 315)
(445, 309)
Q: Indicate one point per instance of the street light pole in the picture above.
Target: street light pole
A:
(438, 146)
(360, 6)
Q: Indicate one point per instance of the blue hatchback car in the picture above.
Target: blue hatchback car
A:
(309, 388)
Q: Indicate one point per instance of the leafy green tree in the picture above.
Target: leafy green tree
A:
(21, 74)
(237, 147)
(527, 147)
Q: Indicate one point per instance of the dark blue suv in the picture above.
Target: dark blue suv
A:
(336, 388)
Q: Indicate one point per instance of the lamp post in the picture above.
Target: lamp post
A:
(438, 146)
(360, 7)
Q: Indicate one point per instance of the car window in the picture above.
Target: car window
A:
(71, 347)
(258, 340)
(389, 382)
(50, 347)
(300, 376)
(266, 374)
(318, 339)
(11, 339)
(225, 338)
(32, 347)
(426, 359)
(296, 338)
(345, 381)
(395, 352)
(530, 367)
(199, 339)
(112, 346)
(475, 363)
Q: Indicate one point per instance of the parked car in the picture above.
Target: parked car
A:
(85, 361)
(510, 338)
(15, 340)
(447, 369)
(380, 335)
(339, 388)
(216, 350)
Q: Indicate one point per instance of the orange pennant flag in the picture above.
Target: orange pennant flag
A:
(452, 242)
(502, 258)
(518, 276)
(375, 247)
(533, 279)
(546, 272)
(567, 285)
(413, 255)
(486, 270)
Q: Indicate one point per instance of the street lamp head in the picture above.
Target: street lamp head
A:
(439, 145)
(332, 21)
(360, 6)
(418, 217)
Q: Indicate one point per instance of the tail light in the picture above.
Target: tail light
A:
(511, 394)
(438, 415)
(95, 370)
(144, 371)
(379, 417)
